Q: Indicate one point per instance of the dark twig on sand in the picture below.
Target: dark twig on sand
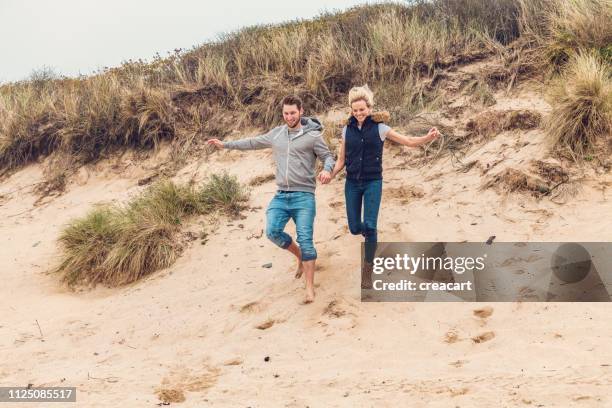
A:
(109, 379)
(40, 331)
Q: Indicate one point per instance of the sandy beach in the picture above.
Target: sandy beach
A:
(221, 330)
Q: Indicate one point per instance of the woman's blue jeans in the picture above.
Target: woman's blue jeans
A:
(299, 206)
(363, 196)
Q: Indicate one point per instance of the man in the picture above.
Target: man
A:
(296, 144)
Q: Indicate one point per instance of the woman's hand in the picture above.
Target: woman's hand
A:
(433, 134)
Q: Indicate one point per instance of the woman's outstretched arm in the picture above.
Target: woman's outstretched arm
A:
(412, 141)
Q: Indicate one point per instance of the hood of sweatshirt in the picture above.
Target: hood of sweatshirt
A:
(310, 124)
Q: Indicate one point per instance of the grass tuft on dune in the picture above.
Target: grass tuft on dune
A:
(239, 79)
(116, 245)
(582, 106)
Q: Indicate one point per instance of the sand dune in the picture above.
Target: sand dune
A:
(218, 329)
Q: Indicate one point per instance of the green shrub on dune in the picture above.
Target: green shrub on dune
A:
(86, 243)
(581, 24)
(582, 105)
(115, 245)
(222, 191)
(241, 78)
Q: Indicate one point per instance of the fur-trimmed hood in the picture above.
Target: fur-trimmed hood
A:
(378, 117)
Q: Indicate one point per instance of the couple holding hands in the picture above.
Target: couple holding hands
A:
(297, 144)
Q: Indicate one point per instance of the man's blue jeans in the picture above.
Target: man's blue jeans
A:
(299, 206)
(364, 195)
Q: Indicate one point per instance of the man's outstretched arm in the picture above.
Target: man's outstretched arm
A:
(326, 157)
(250, 143)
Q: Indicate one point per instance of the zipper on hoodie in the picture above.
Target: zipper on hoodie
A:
(287, 165)
(299, 133)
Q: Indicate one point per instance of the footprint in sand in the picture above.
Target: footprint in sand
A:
(338, 314)
(251, 307)
(334, 310)
(266, 325)
(233, 362)
(526, 293)
(458, 363)
(451, 337)
(483, 312)
(174, 386)
(169, 395)
(455, 392)
(481, 338)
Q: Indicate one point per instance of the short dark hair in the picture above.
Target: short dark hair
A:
(292, 100)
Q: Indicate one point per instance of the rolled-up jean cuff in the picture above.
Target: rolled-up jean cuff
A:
(286, 244)
(281, 240)
(308, 256)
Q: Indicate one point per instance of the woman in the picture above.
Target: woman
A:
(361, 150)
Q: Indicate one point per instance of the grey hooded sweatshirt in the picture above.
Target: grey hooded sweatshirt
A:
(295, 157)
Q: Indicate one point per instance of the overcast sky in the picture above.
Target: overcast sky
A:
(79, 36)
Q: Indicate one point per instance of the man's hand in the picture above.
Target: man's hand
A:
(324, 177)
(216, 143)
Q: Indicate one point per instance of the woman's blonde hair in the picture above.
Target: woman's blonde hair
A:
(361, 93)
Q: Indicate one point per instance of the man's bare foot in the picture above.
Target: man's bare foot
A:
(299, 271)
(310, 295)
(295, 250)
